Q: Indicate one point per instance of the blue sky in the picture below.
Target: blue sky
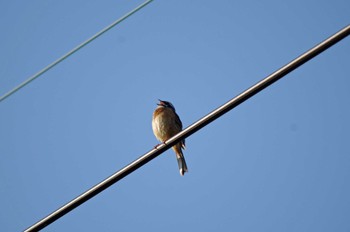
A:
(278, 162)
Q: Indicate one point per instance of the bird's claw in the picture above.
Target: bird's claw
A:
(156, 146)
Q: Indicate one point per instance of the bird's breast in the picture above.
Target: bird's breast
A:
(163, 124)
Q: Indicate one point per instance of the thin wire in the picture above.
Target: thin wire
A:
(30, 79)
(191, 129)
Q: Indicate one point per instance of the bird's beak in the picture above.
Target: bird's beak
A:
(160, 102)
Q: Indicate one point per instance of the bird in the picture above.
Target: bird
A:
(165, 124)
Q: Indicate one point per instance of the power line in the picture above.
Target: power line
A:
(191, 129)
(30, 79)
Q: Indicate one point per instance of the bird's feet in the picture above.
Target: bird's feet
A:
(156, 146)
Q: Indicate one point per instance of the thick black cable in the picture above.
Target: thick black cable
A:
(191, 129)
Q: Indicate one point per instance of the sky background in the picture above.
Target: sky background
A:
(278, 162)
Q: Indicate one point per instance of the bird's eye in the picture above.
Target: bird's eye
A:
(170, 106)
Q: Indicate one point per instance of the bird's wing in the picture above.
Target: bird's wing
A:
(179, 124)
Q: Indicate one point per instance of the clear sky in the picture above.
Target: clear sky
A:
(278, 162)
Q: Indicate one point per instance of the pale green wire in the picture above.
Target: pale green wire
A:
(30, 79)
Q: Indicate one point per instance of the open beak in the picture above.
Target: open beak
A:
(160, 102)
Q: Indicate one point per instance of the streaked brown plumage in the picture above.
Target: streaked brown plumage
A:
(165, 124)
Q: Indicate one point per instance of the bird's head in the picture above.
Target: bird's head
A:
(165, 104)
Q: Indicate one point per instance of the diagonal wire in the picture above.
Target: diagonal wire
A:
(191, 129)
(30, 79)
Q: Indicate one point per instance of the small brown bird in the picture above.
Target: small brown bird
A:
(165, 124)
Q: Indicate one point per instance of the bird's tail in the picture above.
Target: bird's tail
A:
(182, 164)
(180, 159)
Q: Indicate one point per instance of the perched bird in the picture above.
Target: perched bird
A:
(165, 124)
